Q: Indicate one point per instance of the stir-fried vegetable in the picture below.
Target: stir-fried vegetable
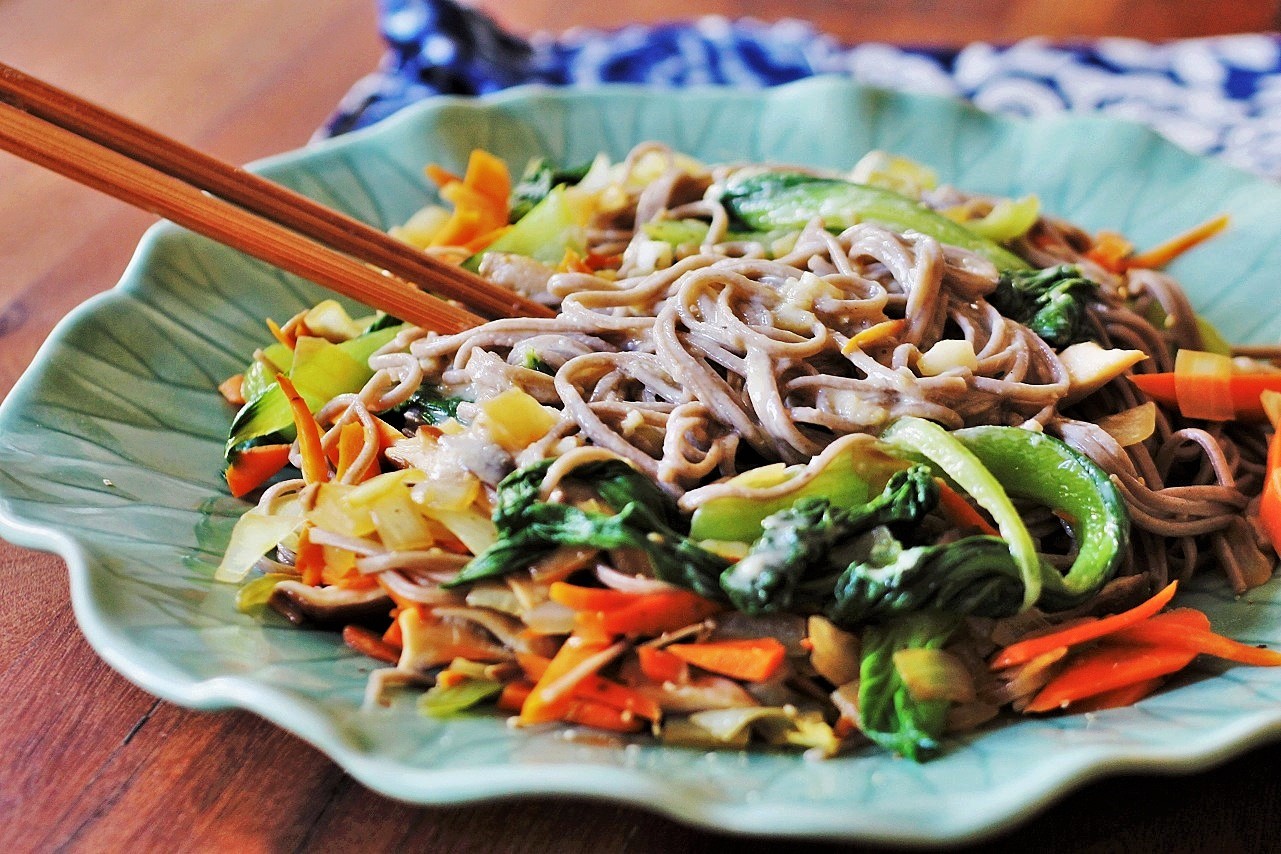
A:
(889, 714)
(847, 480)
(794, 555)
(1202, 391)
(971, 576)
(528, 527)
(992, 463)
(809, 602)
(770, 201)
(1050, 302)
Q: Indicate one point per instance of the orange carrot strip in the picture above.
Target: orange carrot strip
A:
(309, 560)
(280, 335)
(596, 688)
(652, 614)
(581, 598)
(1106, 668)
(353, 579)
(661, 666)
(538, 708)
(252, 467)
(351, 441)
(1244, 390)
(960, 512)
(749, 659)
(368, 643)
(315, 468)
(483, 240)
(514, 695)
(395, 636)
(600, 716)
(232, 389)
(440, 176)
(450, 678)
(1025, 650)
(488, 175)
(1180, 618)
(1118, 697)
(1159, 256)
(1194, 638)
(1110, 251)
(1270, 508)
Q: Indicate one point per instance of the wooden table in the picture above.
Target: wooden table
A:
(87, 761)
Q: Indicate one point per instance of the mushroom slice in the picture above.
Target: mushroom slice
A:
(330, 607)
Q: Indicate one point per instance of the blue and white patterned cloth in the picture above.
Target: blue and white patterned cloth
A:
(1219, 96)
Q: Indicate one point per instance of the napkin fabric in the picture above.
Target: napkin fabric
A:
(1219, 96)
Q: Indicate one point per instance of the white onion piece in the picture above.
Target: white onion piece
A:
(423, 594)
(626, 583)
(550, 618)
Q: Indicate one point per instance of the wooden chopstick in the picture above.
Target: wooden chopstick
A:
(266, 199)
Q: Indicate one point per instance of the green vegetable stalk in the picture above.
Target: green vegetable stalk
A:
(645, 519)
(993, 463)
(959, 463)
(793, 561)
(770, 201)
(1043, 469)
(848, 480)
(889, 714)
(970, 576)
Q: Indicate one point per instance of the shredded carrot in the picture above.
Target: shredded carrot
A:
(315, 468)
(1107, 668)
(232, 390)
(572, 262)
(353, 579)
(368, 643)
(395, 636)
(1116, 254)
(1025, 650)
(514, 695)
(601, 716)
(598, 689)
(480, 200)
(590, 598)
(309, 560)
(661, 666)
(595, 688)
(961, 513)
(1117, 698)
(252, 467)
(450, 678)
(1244, 390)
(1110, 251)
(280, 335)
(1159, 256)
(540, 708)
(351, 441)
(440, 176)
(650, 614)
(750, 659)
(1192, 634)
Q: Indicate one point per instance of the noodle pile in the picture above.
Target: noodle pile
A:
(697, 361)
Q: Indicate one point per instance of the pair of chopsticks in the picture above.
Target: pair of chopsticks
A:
(113, 154)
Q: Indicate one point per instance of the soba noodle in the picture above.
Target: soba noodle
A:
(697, 362)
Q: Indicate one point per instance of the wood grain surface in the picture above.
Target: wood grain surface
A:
(90, 763)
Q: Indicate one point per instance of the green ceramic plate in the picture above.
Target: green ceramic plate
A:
(110, 448)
